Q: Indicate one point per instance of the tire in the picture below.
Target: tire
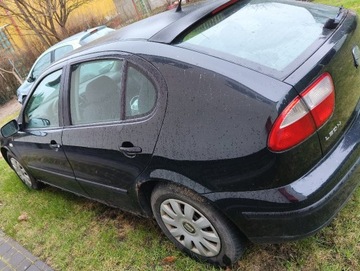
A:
(22, 173)
(195, 226)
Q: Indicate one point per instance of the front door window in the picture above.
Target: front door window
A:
(42, 109)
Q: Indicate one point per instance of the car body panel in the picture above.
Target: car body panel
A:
(311, 201)
(44, 162)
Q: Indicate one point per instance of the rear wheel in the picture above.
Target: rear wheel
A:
(24, 176)
(195, 226)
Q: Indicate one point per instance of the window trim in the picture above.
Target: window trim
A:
(153, 82)
(143, 65)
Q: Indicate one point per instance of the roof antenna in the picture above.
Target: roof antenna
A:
(178, 9)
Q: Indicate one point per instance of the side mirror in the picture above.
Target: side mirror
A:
(9, 129)
(31, 79)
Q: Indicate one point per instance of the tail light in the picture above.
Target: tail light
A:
(304, 115)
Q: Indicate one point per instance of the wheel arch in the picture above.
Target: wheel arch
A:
(4, 153)
(211, 212)
(145, 186)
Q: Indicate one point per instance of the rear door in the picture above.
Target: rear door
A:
(116, 111)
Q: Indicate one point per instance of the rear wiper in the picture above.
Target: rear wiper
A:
(333, 23)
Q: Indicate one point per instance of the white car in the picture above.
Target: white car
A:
(56, 52)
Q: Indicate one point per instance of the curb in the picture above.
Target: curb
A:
(14, 257)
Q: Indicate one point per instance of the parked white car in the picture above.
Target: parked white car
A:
(56, 52)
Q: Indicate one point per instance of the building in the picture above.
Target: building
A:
(5, 43)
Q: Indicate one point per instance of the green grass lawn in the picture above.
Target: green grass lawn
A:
(351, 4)
(73, 233)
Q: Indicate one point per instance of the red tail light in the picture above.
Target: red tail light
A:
(304, 115)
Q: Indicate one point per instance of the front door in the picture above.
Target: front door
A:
(38, 143)
(113, 126)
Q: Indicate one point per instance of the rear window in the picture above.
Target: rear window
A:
(272, 34)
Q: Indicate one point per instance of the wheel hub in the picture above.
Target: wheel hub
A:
(188, 227)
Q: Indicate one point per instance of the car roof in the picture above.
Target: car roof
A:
(166, 26)
(74, 39)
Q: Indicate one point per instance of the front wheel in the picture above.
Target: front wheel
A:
(195, 226)
(24, 176)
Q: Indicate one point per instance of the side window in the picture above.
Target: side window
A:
(60, 52)
(42, 109)
(40, 66)
(140, 95)
(95, 91)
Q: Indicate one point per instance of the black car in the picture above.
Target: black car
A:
(227, 121)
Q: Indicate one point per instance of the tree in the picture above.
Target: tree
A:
(12, 70)
(47, 18)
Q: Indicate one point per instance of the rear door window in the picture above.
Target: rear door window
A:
(140, 95)
(95, 93)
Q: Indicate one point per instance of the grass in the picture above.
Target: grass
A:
(73, 233)
(351, 4)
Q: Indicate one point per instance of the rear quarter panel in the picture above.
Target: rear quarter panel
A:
(217, 122)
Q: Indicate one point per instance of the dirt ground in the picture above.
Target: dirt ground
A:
(9, 108)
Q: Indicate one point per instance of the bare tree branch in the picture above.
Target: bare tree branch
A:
(47, 18)
(13, 71)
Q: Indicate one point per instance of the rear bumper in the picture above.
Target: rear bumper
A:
(302, 207)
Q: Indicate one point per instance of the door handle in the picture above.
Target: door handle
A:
(129, 150)
(54, 145)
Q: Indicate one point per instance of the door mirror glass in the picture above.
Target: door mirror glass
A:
(10, 129)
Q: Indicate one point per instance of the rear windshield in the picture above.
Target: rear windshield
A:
(272, 34)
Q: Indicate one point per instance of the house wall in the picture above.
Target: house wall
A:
(154, 4)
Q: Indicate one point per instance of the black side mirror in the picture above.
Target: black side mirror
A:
(9, 129)
(31, 79)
